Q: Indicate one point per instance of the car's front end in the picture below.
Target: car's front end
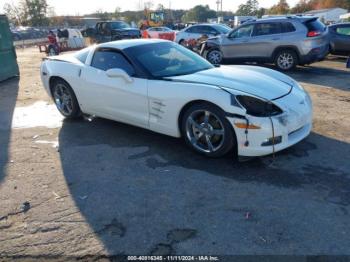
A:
(274, 130)
(269, 111)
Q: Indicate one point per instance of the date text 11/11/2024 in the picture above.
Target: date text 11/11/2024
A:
(173, 258)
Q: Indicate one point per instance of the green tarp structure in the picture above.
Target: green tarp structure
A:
(8, 58)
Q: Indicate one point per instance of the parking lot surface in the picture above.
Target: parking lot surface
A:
(97, 187)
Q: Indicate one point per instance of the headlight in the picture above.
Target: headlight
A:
(257, 107)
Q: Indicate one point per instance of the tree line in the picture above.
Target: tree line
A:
(39, 13)
(251, 7)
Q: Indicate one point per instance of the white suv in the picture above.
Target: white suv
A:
(197, 31)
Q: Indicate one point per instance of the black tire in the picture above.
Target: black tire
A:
(223, 143)
(52, 51)
(182, 42)
(72, 110)
(286, 60)
(214, 56)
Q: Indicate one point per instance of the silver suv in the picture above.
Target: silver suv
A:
(284, 41)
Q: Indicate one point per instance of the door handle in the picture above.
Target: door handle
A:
(275, 39)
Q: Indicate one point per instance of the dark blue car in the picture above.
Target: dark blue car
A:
(340, 39)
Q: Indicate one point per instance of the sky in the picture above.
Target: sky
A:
(81, 7)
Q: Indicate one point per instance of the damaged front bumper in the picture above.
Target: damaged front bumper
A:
(277, 132)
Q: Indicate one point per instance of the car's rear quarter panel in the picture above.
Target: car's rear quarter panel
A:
(67, 71)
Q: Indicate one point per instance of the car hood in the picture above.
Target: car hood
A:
(257, 81)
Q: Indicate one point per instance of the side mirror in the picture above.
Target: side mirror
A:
(116, 72)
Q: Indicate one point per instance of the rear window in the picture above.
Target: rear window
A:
(315, 25)
(83, 54)
(223, 29)
(192, 29)
(288, 27)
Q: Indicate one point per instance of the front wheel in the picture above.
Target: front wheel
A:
(65, 99)
(207, 131)
(286, 60)
(214, 56)
(52, 51)
(183, 43)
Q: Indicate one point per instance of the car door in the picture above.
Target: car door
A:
(236, 44)
(98, 34)
(265, 39)
(106, 32)
(342, 39)
(114, 97)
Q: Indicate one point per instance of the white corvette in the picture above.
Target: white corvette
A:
(162, 86)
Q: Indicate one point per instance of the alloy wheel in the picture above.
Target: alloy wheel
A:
(63, 99)
(205, 131)
(214, 57)
(285, 61)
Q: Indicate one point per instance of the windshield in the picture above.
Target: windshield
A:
(166, 29)
(223, 29)
(167, 59)
(119, 25)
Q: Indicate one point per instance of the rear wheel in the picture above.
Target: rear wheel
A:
(286, 60)
(207, 131)
(52, 51)
(65, 99)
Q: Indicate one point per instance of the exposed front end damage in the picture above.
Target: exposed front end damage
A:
(264, 135)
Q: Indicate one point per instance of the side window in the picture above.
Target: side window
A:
(200, 29)
(82, 55)
(192, 29)
(210, 30)
(343, 30)
(267, 29)
(244, 31)
(105, 59)
(288, 27)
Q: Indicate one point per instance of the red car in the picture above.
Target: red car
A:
(160, 33)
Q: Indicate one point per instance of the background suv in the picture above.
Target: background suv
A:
(285, 41)
(197, 31)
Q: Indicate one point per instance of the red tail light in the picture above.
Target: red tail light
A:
(313, 33)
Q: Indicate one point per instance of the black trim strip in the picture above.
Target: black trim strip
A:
(234, 115)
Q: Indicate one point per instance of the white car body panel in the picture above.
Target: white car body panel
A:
(113, 98)
(157, 104)
(240, 78)
(167, 99)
